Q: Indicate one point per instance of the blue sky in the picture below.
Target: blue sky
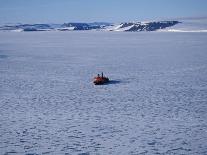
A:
(59, 11)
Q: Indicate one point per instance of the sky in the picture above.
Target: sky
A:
(60, 11)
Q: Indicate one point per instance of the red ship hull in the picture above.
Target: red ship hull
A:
(100, 80)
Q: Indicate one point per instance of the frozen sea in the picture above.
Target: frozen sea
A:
(156, 102)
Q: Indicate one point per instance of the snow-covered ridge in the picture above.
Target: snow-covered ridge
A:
(195, 25)
(53, 27)
(131, 26)
(143, 26)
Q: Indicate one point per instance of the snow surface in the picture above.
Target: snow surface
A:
(156, 102)
(189, 25)
(117, 27)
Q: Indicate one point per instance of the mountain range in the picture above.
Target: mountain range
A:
(186, 25)
(102, 26)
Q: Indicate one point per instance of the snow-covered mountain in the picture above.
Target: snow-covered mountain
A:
(142, 26)
(26, 27)
(193, 25)
(54, 27)
(131, 26)
(83, 26)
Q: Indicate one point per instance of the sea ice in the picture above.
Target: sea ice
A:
(156, 103)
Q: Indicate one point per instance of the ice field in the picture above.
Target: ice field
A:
(156, 102)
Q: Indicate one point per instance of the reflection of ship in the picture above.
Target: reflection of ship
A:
(99, 80)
